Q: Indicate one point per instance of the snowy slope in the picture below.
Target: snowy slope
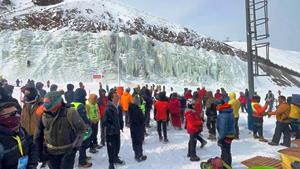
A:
(289, 59)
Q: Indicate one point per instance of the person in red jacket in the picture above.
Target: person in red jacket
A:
(218, 95)
(194, 126)
(258, 113)
(198, 103)
(188, 94)
(161, 115)
(174, 108)
(102, 102)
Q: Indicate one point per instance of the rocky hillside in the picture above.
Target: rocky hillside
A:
(98, 15)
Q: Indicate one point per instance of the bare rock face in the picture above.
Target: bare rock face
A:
(46, 2)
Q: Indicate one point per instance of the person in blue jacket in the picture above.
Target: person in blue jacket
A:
(225, 127)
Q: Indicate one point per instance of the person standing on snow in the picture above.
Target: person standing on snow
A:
(48, 83)
(198, 109)
(218, 95)
(161, 116)
(113, 122)
(16, 147)
(174, 108)
(125, 100)
(79, 106)
(102, 103)
(270, 99)
(92, 110)
(243, 101)
(258, 114)
(137, 128)
(225, 127)
(235, 104)
(59, 132)
(39, 87)
(69, 95)
(294, 118)
(194, 126)
(282, 123)
(18, 82)
(211, 114)
(30, 113)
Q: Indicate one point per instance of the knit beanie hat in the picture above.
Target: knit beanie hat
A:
(54, 98)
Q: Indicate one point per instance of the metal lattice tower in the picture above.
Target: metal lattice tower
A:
(257, 34)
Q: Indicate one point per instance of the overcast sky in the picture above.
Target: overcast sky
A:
(226, 18)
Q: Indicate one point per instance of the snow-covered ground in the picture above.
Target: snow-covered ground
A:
(173, 154)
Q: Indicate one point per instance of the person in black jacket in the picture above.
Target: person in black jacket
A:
(113, 121)
(79, 105)
(39, 87)
(137, 128)
(146, 94)
(69, 95)
(6, 96)
(11, 133)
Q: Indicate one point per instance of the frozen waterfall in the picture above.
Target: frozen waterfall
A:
(72, 56)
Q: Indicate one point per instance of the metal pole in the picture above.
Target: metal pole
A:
(119, 70)
(249, 50)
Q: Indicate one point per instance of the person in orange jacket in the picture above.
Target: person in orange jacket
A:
(125, 100)
(282, 124)
(258, 114)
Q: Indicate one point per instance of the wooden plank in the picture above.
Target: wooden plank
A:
(262, 161)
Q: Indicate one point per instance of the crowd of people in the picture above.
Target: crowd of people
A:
(51, 127)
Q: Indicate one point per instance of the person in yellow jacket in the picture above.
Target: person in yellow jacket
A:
(92, 111)
(235, 104)
(294, 118)
(125, 100)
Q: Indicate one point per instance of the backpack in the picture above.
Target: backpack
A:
(214, 163)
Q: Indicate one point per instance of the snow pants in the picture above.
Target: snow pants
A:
(211, 125)
(82, 151)
(192, 144)
(162, 125)
(147, 116)
(103, 134)
(94, 135)
(295, 125)
(226, 153)
(62, 161)
(236, 126)
(282, 128)
(258, 126)
(137, 137)
(113, 147)
(176, 122)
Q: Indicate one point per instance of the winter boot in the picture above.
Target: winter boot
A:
(166, 140)
(203, 143)
(97, 146)
(255, 136)
(86, 165)
(160, 138)
(273, 144)
(119, 161)
(262, 139)
(194, 158)
(111, 166)
(141, 158)
(93, 150)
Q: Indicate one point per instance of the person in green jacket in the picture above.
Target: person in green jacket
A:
(93, 115)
